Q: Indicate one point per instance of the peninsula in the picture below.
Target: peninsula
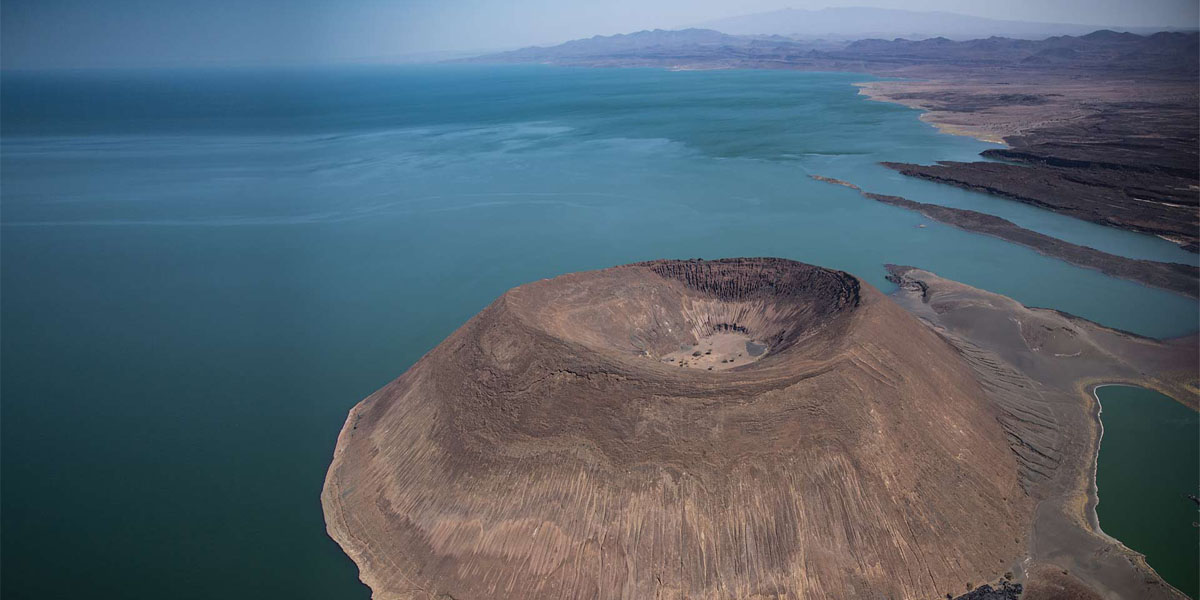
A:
(1176, 277)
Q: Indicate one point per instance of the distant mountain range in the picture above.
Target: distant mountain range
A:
(851, 23)
(1105, 50)
(643, 44)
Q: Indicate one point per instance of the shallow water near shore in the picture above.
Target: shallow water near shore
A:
(204, 270)
(1149, 464)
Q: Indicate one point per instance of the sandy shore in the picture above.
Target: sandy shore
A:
(991, 108)
(902, 92)
(1051, 413)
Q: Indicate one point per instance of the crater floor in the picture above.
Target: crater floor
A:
(718, 352)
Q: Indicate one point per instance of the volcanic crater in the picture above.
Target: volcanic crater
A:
(554, 447)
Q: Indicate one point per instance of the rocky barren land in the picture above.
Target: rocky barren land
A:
(1040, 367)
(1102, 127)
(878, 448)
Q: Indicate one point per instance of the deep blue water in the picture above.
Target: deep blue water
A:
(204, 270)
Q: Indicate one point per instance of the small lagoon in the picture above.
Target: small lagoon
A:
(1148, 478)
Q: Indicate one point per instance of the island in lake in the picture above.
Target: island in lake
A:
(574, 439)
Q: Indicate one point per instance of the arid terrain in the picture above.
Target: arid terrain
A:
(1098, 141)
(545, 450)
(907, 447)
(1039, 367)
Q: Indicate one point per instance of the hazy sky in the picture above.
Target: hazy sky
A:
(84, 33)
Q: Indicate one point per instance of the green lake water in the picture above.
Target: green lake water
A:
(204, 270)
(1149, 464)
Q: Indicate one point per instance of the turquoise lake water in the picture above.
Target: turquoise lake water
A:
(1149, 464)
(204, 270)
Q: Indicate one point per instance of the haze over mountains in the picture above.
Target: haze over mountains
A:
(869, 34)
(1105, 50)
(867, 22)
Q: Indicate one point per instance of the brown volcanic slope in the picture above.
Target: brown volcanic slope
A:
(545, 449)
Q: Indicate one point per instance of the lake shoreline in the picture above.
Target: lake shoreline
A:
(1071, 131)
(1049, 410)
(1093, 505)
(1058, 146)
(897, 92)
(1175, 277)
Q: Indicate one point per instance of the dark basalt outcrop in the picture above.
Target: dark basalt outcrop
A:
(766, 278)
(1148, 202)
(1102, 158)
(544, 450)
(1176, 277)
(1002, 591)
